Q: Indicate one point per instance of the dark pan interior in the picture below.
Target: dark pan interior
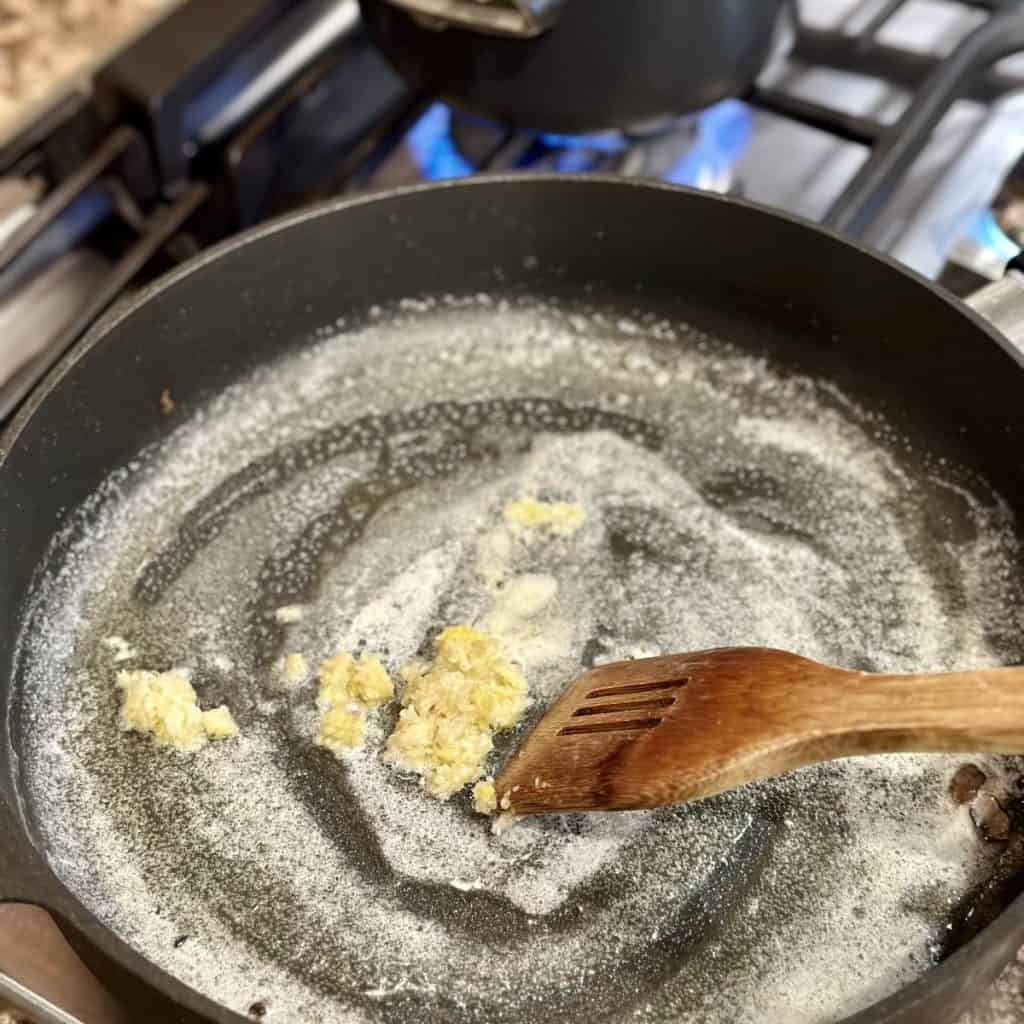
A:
(934, 390)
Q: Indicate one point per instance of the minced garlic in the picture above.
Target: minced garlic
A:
(295, 668)
(485, 797)
(452, 706)
(348, 687)
(219, 723)
(561, 517)
(341, 729)
(344, 679)
(165, 706)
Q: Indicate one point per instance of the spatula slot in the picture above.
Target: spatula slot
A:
(626, 705)
(632, 725)
(616, 691)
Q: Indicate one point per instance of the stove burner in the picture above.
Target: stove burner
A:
(698, 150)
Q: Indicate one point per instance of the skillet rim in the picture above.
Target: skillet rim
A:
(122, 310)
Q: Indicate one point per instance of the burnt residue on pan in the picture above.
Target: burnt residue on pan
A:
(363, 478)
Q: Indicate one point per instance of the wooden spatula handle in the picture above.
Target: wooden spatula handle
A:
(979, 710)
(787, 712)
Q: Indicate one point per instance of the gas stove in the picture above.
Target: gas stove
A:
(894, 120)
(900, 122)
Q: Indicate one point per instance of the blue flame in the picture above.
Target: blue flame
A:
(432, 147)
(601, 142)
(988, 234)
(723, 133)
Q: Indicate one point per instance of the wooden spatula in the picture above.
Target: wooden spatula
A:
(666, 730)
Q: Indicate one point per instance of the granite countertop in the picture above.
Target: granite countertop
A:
(45, 43)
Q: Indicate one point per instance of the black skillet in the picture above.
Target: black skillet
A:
(807, 300)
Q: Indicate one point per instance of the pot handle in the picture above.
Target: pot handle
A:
(16, 886)
(25, 879)
(41, 1010)
(519, 19)
(1001, 303)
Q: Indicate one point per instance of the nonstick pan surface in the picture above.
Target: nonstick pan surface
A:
(332, 414)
